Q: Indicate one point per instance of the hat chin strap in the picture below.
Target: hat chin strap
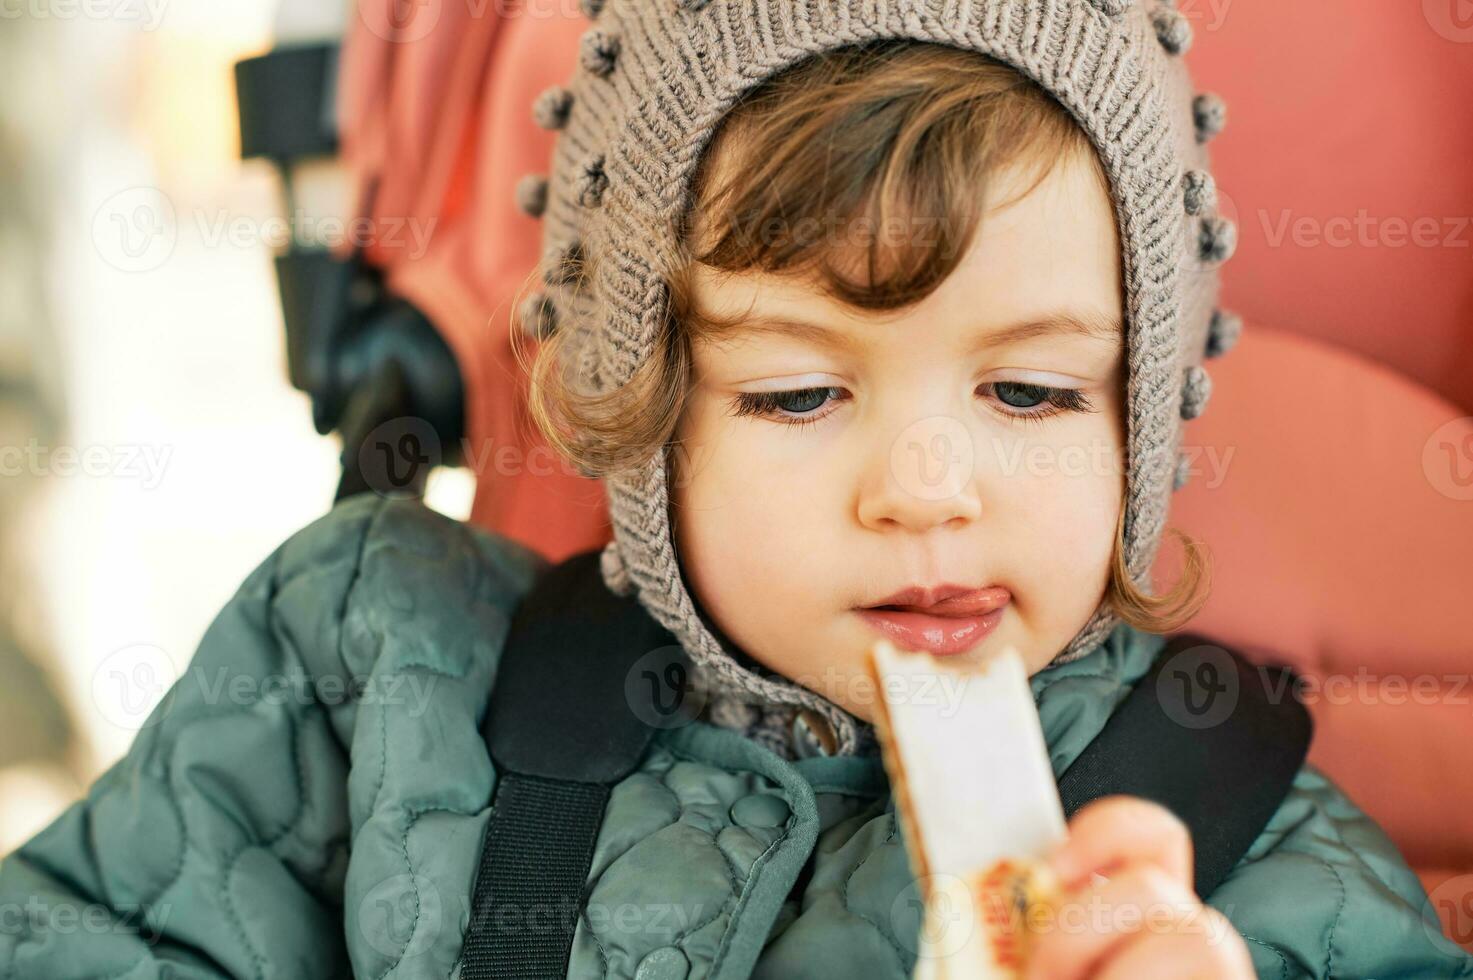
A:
(1100, 625)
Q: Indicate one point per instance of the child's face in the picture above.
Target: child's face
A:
(912, 471)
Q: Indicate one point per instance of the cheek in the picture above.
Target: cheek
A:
(722, 488)
(1070, 520)
(749, 476)
(741, 512)
(1061, 502)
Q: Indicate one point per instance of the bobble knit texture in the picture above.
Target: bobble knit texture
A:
(654, 79)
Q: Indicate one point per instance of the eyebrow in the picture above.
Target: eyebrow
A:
(1096, 326)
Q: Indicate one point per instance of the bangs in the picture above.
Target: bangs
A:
(867, 171)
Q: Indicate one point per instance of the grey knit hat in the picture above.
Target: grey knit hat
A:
(655, 79)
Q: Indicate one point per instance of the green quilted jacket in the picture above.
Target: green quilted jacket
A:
(309, 799)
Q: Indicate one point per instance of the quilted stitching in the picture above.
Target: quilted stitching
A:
(854, 915)
(170, 828)
(669, 806)
(225, 827)
(427, 608)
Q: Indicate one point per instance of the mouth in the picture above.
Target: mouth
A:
(946, 627)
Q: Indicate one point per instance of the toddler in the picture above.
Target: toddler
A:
(878, 318)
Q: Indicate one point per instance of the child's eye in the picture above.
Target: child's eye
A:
(1031, 402)
(788, 407)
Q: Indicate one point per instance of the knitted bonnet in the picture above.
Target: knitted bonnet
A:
(655, 78)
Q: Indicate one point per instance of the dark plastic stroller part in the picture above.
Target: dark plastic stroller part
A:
(393, 389)
(286, 100)
(298, 274)
(382, 452)
(375, 366)
(287, 105)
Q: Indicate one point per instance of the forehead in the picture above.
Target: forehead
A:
(1048, 259)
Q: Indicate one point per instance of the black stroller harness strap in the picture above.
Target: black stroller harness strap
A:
(585, 678)
(563, 727)
(1215, 739)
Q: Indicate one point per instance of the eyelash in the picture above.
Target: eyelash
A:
(765, 404)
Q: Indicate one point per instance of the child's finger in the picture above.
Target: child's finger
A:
(1120, 830)
(1083, 930)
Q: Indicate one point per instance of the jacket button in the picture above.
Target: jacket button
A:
(665, 963)
(760, 810)
(812, 735)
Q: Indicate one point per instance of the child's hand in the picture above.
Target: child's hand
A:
(1145, 921)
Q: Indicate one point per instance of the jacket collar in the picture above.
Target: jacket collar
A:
(1074, 701)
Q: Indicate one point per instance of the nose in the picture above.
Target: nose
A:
(924, 478)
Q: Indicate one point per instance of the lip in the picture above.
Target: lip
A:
(940, 635)
(947, 600)
(953, 621)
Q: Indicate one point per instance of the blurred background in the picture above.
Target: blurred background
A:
(154, 448)
(196, 348)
